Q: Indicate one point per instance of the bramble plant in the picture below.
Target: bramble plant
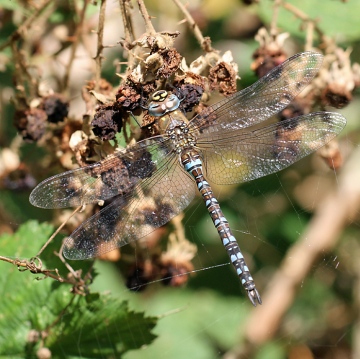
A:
(80, 85)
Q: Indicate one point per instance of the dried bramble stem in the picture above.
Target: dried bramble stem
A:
(311, 24)
(125, 9)
(22, 74)
(204, 42)
(127, 20)
(77, 37)
(57, 231)
(78, 282)
(275, 15)
(34, 265)
(302, 16)
(100, 46)
(147, 19)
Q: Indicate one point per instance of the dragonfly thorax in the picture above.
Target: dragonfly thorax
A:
(163, 102)
(178, 132)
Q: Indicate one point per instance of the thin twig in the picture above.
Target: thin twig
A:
(275, 16)
(302, 16)
(204, 42)
(147, 19)
(125, 8)
(35, 268)
(127, 20)
(77, 38)
(67, 265)
(57, 231)
(22, 75)
(100, 46)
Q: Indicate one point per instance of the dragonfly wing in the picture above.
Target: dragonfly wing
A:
(244, 155)
(263, 99)
(153, 202)
(115, 175)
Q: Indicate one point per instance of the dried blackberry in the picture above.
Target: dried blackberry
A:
(107, 122)
(31, 123)
(128, 98)
(191, 95)
(56, 107)
(336, 95)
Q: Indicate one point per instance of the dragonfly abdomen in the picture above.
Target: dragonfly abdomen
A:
(192, 163)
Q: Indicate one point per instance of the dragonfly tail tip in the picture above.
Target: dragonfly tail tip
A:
(254, 297)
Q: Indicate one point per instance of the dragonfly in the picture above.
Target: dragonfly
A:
(232, 141)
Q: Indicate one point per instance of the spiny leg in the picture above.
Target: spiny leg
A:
(193, 165)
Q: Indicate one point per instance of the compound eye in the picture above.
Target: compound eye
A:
(156, 110)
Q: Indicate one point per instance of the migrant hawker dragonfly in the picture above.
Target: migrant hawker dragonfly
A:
(155, 179)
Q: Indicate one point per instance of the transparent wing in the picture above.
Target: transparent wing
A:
(243, 155)
(263, 99)
(115, 175)
(153, 202)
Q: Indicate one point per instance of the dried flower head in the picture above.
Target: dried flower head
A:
(270, 52)
(338, 78)
(171, 62)
(223, 74)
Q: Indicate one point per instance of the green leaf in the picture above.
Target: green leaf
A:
(335, 18)
(91, 326)
(100, 326)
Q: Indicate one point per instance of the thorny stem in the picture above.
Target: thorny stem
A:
(22, 72)
(128, 30)
(77, 36)
(100, 46)
(57, 231)
(35, 268)
(204, 42)
(147, 19)
(26, 24)
(68, 266)
(127, 20)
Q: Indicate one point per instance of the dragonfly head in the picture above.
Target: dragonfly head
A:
(162, 102)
